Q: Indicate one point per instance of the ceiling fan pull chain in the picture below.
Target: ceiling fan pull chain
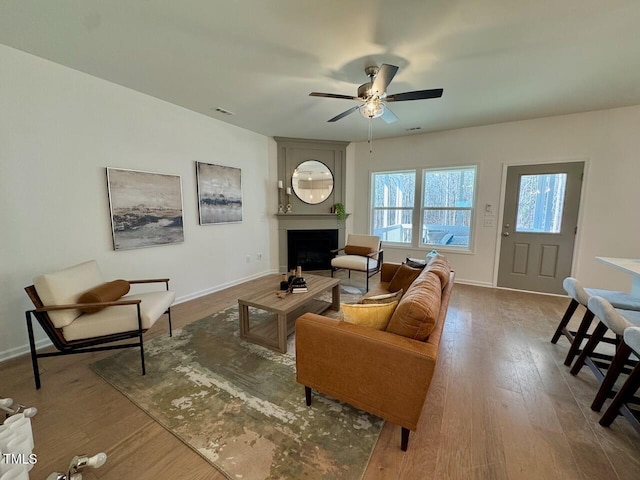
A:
(370, 137)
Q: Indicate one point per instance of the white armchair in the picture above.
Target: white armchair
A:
(79, 317)
(362, 253)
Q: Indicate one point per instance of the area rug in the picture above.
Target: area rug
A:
(239, 406)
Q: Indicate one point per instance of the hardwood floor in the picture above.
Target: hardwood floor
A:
(501, 405)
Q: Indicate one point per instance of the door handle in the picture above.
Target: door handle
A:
(505, 234)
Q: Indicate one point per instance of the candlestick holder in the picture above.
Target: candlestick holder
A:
(281, 206)
(289, 204)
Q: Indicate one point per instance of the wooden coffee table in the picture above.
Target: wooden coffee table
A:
(273, 332)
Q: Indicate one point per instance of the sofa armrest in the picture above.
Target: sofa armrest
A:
(385, 374)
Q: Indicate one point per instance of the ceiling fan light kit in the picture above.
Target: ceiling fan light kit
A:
(374, 108)
(373, 96)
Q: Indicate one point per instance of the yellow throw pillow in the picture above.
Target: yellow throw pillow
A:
(371, 315)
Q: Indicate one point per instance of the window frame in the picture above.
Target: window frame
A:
(373, 208)
(471, 209)
(418, 210)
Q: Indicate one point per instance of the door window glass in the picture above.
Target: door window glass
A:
(540, 203)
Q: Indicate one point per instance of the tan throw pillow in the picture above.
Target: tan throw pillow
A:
(403, 278)
(356, 250)
(369, 315)
(385, 298)
(107, 292)
(417, 313)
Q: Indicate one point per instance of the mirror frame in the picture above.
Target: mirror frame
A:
(299, 190)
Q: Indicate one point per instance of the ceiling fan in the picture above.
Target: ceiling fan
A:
(373, 95)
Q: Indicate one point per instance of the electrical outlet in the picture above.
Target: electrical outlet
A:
(489, 222)
(258, 256)
(248, 258)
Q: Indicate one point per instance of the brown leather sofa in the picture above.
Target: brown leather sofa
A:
(384, 373)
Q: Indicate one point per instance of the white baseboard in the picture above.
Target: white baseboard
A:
(21, 350)
(217, 288)
(45, 342)
(474, 283)
(490, 285)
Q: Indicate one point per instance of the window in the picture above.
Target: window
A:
(393, 199)
(541, 202)
(447, 206)
(442, 218)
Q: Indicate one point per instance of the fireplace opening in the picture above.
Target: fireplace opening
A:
(311, 249)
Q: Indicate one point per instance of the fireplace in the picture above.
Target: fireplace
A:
(311, 249)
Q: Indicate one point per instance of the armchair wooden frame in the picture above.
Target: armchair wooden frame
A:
(85, 345)
(370, 271)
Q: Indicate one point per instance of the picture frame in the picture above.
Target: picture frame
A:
(146, 208)
(219, 193)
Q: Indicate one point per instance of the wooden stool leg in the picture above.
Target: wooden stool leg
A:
(571, 309)
(596, 336)
(580, 335)
(626, 392)
(617, 364)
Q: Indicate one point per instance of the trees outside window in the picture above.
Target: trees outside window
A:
(445, 213)
(447, 206)
(393, 204)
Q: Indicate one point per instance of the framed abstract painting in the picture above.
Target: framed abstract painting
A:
(219, 193)
(146, 208)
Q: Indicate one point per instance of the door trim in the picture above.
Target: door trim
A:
(503, 191)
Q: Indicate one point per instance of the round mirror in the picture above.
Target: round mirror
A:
(312, 182)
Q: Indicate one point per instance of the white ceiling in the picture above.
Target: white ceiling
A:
(497, 60)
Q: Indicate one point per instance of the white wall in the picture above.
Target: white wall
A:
(59, 129)
(607, 140)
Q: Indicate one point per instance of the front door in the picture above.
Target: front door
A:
(540, 220)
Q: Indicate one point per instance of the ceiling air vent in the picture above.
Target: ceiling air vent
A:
(222, 110)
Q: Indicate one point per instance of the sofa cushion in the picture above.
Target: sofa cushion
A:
(417, 313)
(441, 267)
(65, 287)
(120, 318)
(403, 278)
(371, 315)
(357, 250)
(107, 292)
(382, 298)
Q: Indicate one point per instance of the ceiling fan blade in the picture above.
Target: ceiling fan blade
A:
(417, 95)
(344, 114)
(333, 95)
(383, 78)
(388, 116)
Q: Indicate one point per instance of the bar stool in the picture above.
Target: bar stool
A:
(630, 344)
(580, 296)
(616, 320)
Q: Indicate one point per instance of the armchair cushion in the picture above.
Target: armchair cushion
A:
(417, 313)
(403, 278)
(107, 292)
(120, 318)
(65, 287)
(354, 262)
(371, 315)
